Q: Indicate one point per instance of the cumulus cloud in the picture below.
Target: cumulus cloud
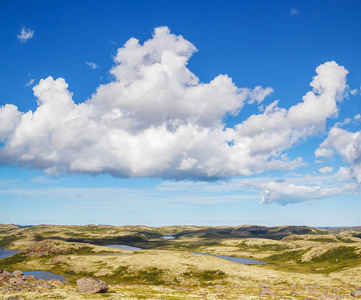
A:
(157, 119)
(25, 34)
(326, 170)
(285, 193)
(277, 129)
(348, 145)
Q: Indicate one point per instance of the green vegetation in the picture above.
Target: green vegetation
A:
(323, 240)
(338, 254)
(123, 274)
(291, 252)
(8, 263)
(294, 255)
(7, 240)
(206, 275)
(38, 237)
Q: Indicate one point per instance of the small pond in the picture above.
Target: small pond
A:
(45, 275)
(168, 237)
(124, 247)
(240, 260)
(111, 254)
(7, 253)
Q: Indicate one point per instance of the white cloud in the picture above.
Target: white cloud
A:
(348, 145)
(92, 65)
(294, 12)
(326, 170)
(286, 193)
(30, 82)
(277, 129)
(25, 34)
(157, 119)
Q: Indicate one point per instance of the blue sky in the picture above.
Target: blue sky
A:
(187, 112)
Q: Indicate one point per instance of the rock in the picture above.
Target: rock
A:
(356, 293)
(57, 281)
(18, 273)
(28, 277)
(89, 285)
(13, 298)
(17, 281)
(6, 274)
(266, 291)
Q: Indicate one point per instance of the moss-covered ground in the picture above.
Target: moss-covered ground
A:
(304, 263)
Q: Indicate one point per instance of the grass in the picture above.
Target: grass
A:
(338, 254)
(206, 276)
(7, 240)
(175, 266)
(294, 256)
(333, 260)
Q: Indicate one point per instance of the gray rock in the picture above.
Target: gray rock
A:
(6, 274)
(266, 291)
(17, 281)
(89, 285)
(18, 273)
(356, 293)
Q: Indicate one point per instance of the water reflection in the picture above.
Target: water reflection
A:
(45, 275)
(240, 260)
(123, 247)
(7, 253)
(111, 254)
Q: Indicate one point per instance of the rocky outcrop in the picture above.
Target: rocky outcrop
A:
(17, 281)
(356, 293)
(266, 291)
(6, 274)
(18, 273)
(89, 285)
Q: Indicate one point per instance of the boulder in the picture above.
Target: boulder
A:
(266, 291)
(6, 274)
(17, 281)
(356, 293)
(89, 285)
(18, 273)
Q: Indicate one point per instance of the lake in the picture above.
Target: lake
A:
(45, 275)
(240, 260)
(168, 237)
(115, 254)
(123, 247)
(7, 253)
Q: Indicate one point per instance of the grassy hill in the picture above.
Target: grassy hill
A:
(296, 256)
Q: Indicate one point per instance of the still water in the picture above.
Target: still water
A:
(124, 247)
(45, 275)
(7, 253)
(168, 237)
(240, 260)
